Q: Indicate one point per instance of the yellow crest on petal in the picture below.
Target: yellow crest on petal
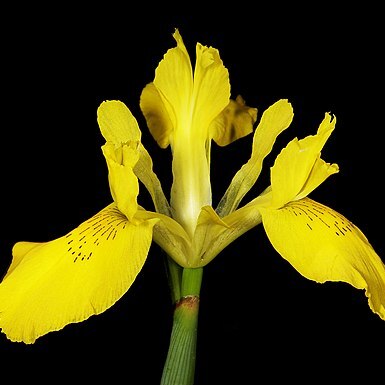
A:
(298, 168)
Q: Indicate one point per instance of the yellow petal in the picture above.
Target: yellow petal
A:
(144, 170)
(181, 102)
(318, 174)
(116, 122)
(234, 122)
(211, 94)
(73, 277)
(157, 117)
(213, 234)
(273, 121)
(323, 245)
(169, 235)
(174, 84)
(124, 184)
(209, 227)
(295, 163)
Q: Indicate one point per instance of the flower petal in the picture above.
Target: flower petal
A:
(169, 235)
(116, 123)
(273, 121)
(173, 84)
(144, 171)
(324, 246)
(234, 122)
(211, 93)
(213, 234)
(181, 103)
(124, 184)
(157, 117)
(73, 277)
(295, 163)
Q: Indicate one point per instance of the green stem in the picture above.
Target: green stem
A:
(179, 368)
(174, 273)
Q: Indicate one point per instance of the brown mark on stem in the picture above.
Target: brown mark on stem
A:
(188, 301)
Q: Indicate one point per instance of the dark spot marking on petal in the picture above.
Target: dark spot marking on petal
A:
(103, 227)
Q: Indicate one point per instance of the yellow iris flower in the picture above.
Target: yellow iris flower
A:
(83, 273)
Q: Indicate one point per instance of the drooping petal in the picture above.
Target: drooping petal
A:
(295, 163)
(234, 122)
(323, 245)
(67, 280)
(116, 123)
(273, 121)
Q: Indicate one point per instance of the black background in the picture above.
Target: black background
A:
(258, 316)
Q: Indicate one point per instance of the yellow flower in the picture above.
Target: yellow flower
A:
(317, 241)
(83, 273)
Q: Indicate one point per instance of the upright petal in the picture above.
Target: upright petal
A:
(174, 84)
(157, 117)
(295, 163)
(119, 127)
(274, 120)
(211, 93)
(323, 245)
(50, 285)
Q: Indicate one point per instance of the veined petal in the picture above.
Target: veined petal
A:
(118, 126)
(294, 165)
(213, 233)
(124, 184)
(169, 235)
(174, 84)
(323, 245)
(274, 120)
(157, 116)
(116, 123)
(209, 226)
(211, 93)
(143, 170)
(234, 122)
(180, 102)
(318, 174)
(67, 280)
